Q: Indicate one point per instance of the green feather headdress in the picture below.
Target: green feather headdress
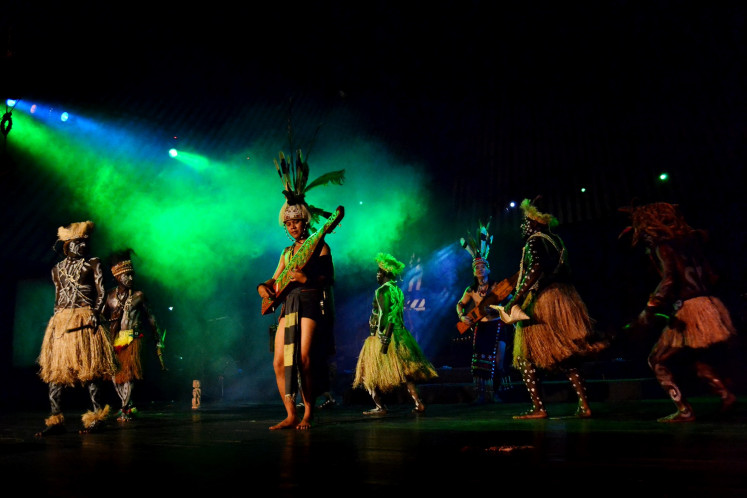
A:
(389, 264)
(531, 212)
(294, 174)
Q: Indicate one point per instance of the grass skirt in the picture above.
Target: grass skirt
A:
(559, 328)
(384, 372)
(75, 357)
(129, 365)
(701, 322)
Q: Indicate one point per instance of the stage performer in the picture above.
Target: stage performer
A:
(698, 327)
(390, 356)
(129, 317)
(76, 350)
(557, 333)
(304, 340)
(490, 335)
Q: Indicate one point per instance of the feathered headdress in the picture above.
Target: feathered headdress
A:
(74, 231)
(294, 174)
(479, 246)
(390, 264)
(530, 211)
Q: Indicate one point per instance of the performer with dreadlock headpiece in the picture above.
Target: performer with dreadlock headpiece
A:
(554, 330)
(129, 316)
(698, 324)
(302, 287)
(390, 356)
(490, 334)
(76, 349)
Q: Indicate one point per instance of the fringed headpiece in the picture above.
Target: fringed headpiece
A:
(479, 247)
(390, 264)
(121, 262)
(531, 212)
(74, 231)
(657, 221)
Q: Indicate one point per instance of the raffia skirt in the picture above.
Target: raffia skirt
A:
(78, 356)
(129, 364)
(403, 361)
(699, 323)
(559, 328)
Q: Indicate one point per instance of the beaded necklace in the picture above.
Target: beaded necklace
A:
(124, 304)
(561, 250)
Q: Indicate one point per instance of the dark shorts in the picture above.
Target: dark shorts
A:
(311, 306)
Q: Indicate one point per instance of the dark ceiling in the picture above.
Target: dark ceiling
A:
(478, 89)
(389, 55)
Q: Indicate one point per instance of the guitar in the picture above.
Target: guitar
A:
(299, 260)
(498, 294)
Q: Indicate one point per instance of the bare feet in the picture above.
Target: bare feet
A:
(727, 404)
(304, 425)
(677, 417)
(583, 412)
(51, 430)
(531, 414)
(285, 424)
(376, 411)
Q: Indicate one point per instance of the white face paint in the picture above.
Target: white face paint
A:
(77, 248)
(126, 279)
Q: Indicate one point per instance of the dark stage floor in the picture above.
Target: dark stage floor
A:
(455, 448)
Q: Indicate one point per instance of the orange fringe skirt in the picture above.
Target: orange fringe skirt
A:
(559, 328)
(129, 364)
(701, 322)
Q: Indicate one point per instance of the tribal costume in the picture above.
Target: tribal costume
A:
(313, 300)
(129, 318)
(697, 321)
(302, 287)
(490, 335)
(559, 333)
(390, 356)
(76, 350)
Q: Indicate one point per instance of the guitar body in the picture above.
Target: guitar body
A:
(498, 294)
(283, 285)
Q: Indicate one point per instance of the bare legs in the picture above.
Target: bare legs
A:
(419, 406)
(718, 387)
(308, 326)
(291, 420)
(531, 381)
(656, 360)
(583, 410)
(124, 391)
(380, 408)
